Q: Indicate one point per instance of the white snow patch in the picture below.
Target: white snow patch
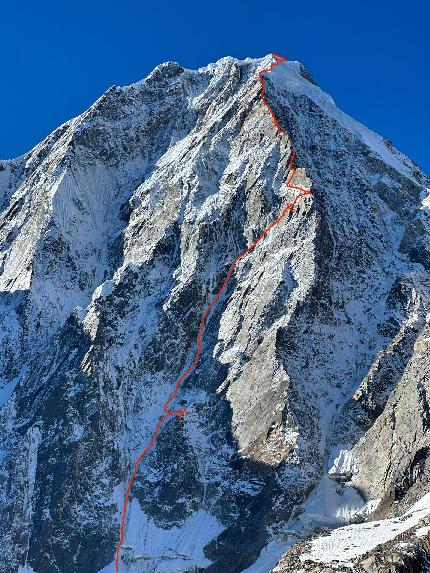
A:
(368, 508)
(331, 504)
(287, 77)
(269, 557)
(166, 550)
(25, 569)
(7, 390)
(104, 289)
(81, 313)
(422, 531)
(343, 465)
(425, 199)
(346, 543)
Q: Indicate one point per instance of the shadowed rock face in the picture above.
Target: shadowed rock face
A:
(116, 233)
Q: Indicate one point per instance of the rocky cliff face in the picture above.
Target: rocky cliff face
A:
(311, 397)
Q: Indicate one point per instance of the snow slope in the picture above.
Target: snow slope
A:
(346, 543)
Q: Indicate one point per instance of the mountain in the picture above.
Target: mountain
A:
(308, 409)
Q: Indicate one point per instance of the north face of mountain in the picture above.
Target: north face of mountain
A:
(309, 407)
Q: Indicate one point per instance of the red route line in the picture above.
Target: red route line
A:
(180, 412)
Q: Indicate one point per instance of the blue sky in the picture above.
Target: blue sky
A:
(58, 57)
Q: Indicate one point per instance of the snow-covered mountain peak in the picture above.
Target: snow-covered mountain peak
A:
(116, 233)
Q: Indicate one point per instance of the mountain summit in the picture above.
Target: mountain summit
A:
(309, 407)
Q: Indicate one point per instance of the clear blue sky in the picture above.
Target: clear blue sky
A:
(58, 57)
